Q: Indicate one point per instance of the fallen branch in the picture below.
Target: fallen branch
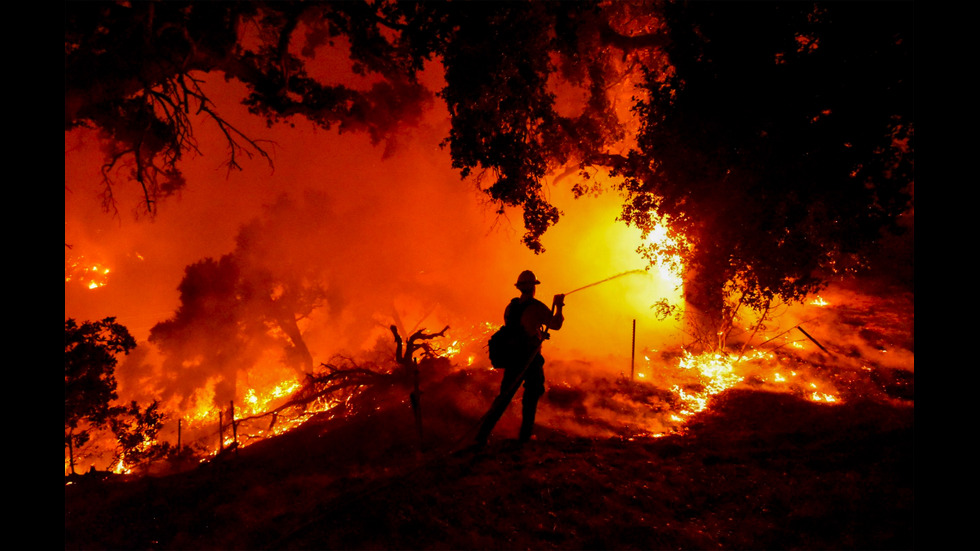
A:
(800, 327)
(763, 343)
(336, 379)
(350, 374)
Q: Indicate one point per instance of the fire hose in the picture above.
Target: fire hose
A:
(507, 394)
(617, 276)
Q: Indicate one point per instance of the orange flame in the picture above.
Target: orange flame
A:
(89, 274)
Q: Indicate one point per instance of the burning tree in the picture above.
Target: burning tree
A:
(90, 383)
(136, 429)
(135, 71)
(778, 148)
(776, 140)
(230, 312)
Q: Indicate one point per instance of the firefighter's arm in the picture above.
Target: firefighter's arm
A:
(557, 317)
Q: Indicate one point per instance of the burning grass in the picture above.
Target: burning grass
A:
(814, 476)
(586, 397)
(783, 446)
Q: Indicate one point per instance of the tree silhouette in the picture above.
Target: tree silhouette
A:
(234, 308)
(134, 71)
(776, 139)
(135, 429)
(779, 148)
(90, 383)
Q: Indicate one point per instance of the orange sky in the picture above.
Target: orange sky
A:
(402, 233)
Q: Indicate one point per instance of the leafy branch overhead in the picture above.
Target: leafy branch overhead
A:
(776, 140)
(133, 71)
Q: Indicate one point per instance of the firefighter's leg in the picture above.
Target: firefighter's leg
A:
(508, 387)
(533, 390)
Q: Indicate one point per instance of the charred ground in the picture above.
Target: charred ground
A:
(758, 470)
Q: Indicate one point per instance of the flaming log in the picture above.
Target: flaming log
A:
(352, 374)
(318, 386)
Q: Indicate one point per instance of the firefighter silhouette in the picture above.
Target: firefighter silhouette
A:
(534, 319)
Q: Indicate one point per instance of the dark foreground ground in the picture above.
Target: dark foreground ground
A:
(756, 471)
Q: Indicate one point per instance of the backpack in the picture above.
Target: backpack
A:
(509, 345)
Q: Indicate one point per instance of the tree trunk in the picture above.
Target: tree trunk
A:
(71, 451)
(287, 322)
(704, 301)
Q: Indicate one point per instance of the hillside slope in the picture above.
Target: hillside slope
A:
(757, 470)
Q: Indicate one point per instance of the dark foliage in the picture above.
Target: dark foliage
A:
(132, 70)
(90, 383)
(776, 139)
(780, 147)
(237, 307)
(135, 429)
(812, 477)
(221, 326)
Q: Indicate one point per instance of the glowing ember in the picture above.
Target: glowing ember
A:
(468, 343)
(811, 389)
(121, 468)
(89, 275)
(452, 349)
(256, 403)
(819, 397)
(716, 372)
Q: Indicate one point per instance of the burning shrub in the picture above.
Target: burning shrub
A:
(136, 430)
(90, 382)
(90, 388)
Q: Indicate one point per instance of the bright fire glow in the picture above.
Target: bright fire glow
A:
(88, 274)
(452, 349)
(256, 402)
(121, 468)
(716, 372)
(669, 267)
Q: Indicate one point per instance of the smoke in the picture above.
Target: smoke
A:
(859, 328)
(379, 235)
(400, 239)
(347, 235)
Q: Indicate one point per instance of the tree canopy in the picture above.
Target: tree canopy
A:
(234, 308)
(133, 72)
(90, 382)
(776, 139)
(781, 145)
